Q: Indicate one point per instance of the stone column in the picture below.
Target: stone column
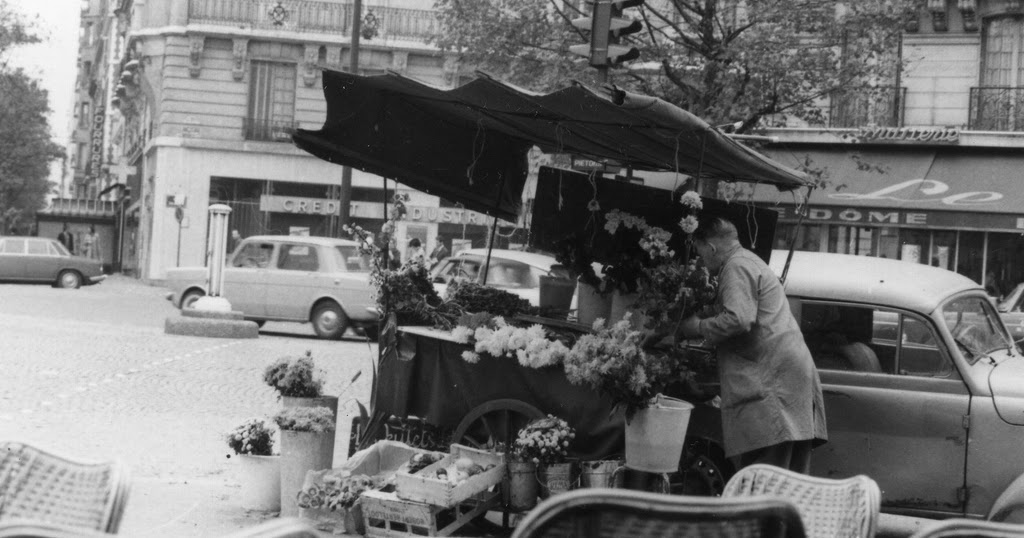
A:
(218, 241)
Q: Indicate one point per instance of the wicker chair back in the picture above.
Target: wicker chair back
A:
(604, 512)
(40, 486)
(830, 508)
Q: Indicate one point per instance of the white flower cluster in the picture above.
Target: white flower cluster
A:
(615, 218)
(688, 224)
(530, 346)
(692, 200)
(654, 241)
(544, 440)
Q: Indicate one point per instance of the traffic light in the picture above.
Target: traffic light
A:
(606, 25)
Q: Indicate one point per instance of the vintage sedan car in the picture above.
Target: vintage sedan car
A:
(923, 386)
(39, 259)
(514, 271)
(321, 280)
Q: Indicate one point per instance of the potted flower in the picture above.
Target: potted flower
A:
(545, 443)
(613, 361)
(259, 470)
(307, 444)
(298, 383)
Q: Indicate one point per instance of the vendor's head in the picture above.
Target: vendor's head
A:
(715, 239)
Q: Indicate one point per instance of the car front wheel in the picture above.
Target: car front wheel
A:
(190, 298)
(329, 321)
(69, 279)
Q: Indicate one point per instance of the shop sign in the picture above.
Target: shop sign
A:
(432, 215)
(298, 205)
(859, 216)
(589, 165)
(908, 134)
(96, 144)
(932, 190)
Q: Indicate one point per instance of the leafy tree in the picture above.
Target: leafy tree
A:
(26, 148)
(728, 61)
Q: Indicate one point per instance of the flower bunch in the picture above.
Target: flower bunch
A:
(613, 360)
(254, 437)
(692, 202)
(530, 346)
(545, 440)
(294, 377)
(338, 493)
(305, 419)
(672, 291)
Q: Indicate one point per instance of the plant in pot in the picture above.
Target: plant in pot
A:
(307, 444)
(613, 361)
(259, 470)
(545, 442)
(298, 383)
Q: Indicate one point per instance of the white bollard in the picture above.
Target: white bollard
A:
(217, 241)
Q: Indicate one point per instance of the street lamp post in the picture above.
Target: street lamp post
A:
(345, 196)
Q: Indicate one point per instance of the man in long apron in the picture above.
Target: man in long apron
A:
(772, 408)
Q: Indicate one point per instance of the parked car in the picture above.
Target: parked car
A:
(39, 259)
(514, 271)
(321, 280)
(1011, 309)
(923, 386)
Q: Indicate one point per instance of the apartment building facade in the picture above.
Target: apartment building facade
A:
(200, 99)
(926, 167)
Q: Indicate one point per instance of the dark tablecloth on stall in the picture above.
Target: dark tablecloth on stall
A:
(429, 379)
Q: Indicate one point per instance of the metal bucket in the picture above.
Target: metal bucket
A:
(555, 478)
(522, 487)
(598, 474)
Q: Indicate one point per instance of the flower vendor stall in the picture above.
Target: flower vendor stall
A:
(474, 376)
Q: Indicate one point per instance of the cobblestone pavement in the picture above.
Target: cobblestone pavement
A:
(90, 373)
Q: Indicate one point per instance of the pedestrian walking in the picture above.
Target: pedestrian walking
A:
(439, 253)
(772, 407)
(91, 243)
(416, 255)
(233, 240)
(66, 238)
(394, 255)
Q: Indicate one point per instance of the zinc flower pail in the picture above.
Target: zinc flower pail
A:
(591, 305)
(656, 435)
(330, 402)
(556, 294)
(598, 474)
(555, 478)
(260, 480)
(523, 488)
(301, 452)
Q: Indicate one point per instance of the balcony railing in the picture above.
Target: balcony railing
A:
(996, 108)
(313, 16)
(71, 207)
(268, 130)
(867, 107)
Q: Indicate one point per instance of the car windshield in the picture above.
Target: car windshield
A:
(975, 326)
(352, 259)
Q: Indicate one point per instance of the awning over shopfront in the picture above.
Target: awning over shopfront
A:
(921, 187)
(469, 144)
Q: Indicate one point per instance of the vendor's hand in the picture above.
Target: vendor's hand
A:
(690, 327)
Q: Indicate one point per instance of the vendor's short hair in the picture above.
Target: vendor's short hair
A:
(716, 228)
(414, 242)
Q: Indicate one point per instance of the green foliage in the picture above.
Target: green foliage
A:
(305, 419)
(723, 60)
(473, 297)
(294, 377)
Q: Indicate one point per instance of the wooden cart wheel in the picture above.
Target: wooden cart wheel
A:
(494, 422)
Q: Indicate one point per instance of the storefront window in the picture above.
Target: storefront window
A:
(888, 243)
(850, 240)
(968, 260)
(914, 245)
(1005, 263)
(808, 239)
(943, 252)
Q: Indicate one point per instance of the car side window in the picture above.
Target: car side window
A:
(298, 258)
(253, 255)
(841, 337)
(37, 248)
(920, 354)
(54, 251)
(12, 246)
(506, 274)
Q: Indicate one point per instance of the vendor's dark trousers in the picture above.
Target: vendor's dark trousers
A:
(792, 455)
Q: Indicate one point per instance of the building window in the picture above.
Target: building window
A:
(83, 116)
(997, 104)
(83, 155)
(271, 102)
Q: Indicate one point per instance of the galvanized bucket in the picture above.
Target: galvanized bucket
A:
(598, 474)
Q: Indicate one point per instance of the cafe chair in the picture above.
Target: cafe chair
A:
(605, 512)
(829, 508)
(970, 528)
(36, 485)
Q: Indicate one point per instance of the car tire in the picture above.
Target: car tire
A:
(69, 279)
(189, 299)
(329, 321)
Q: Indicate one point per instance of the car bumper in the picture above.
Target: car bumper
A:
(97, 279)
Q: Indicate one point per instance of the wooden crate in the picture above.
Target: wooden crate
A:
(425, 487)
(387, 516)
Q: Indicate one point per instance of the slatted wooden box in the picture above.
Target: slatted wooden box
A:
(425, 487)
(387, 516)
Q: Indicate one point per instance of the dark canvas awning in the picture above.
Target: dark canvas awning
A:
(469, 144)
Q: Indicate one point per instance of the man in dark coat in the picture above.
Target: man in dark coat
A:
(66, 238)
(772, 407)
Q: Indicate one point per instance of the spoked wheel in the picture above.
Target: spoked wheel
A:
(494, 423)
(703, 470)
